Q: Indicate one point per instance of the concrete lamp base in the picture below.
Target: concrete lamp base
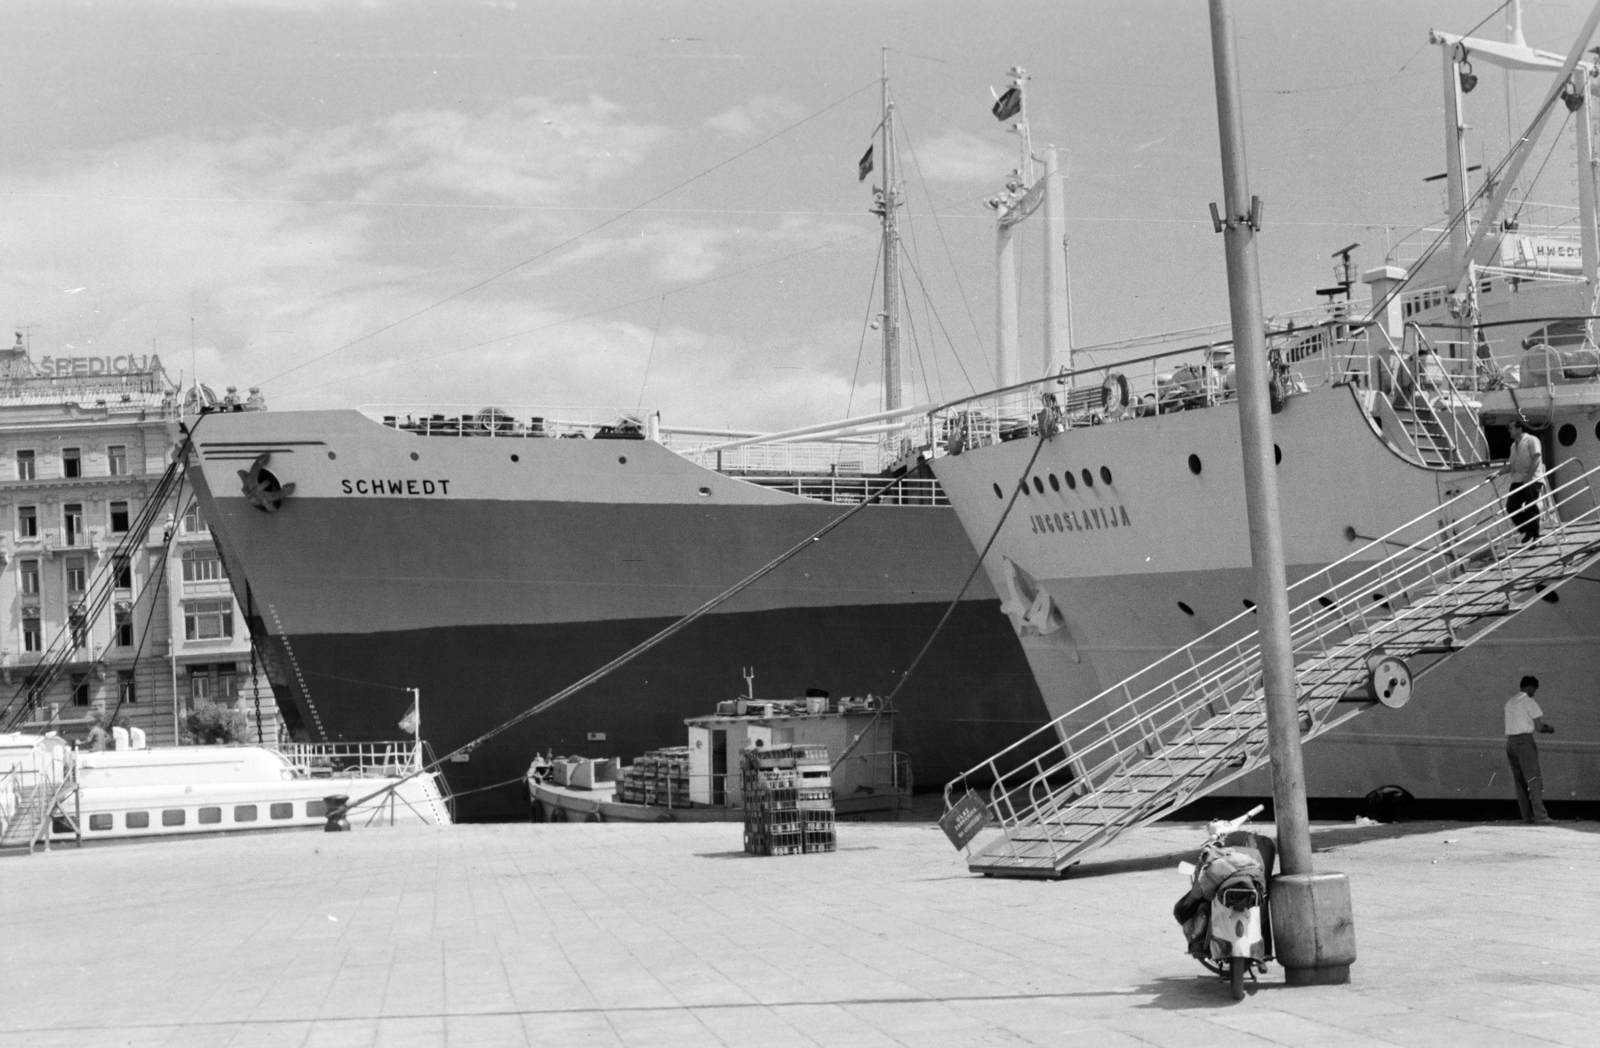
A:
(1313, 929)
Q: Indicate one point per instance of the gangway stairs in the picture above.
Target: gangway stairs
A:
(1362, 630)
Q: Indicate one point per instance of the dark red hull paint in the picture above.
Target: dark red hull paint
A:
(972, 695)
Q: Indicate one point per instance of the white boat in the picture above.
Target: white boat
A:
(52, 793)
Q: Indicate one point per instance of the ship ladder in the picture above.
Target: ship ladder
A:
(1194, 720)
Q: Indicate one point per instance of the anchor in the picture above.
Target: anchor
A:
(262, 488)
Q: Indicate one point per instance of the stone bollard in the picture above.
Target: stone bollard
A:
(1313, 930)
(338, 822)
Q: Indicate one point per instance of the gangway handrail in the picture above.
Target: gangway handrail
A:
(1322, 622)
(1239, 749)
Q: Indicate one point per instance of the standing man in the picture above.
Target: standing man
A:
(1523, 718)
(1527, 455)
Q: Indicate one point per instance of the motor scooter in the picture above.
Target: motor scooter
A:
(1224, 913)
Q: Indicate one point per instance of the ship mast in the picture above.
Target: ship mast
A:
(895, 392)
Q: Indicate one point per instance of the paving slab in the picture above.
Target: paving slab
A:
(664, 935)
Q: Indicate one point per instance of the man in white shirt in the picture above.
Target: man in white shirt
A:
(1527, 455)
(1523, 719)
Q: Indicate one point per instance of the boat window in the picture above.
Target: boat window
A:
(1567, 434)
(1194, 464)
(1072, 482)
(1105, 474)
(316, 809)
(1185, 608)
(244, 813)
(173, 817)
(100, 822)
(282, 811)
(1088, 478)
(210, 815)
(136, 820)
(1000, 494)
(1022, 485)
(1055, 485)
(1038, 485)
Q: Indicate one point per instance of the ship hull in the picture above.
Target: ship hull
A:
(1154, 559)
(493, 573)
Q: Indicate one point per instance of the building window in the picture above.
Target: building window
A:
(119, 517)
(27, 522)
(32, 636)
(75, 575)
(227, 685)
(193, 523)
(123, 626)
(79, 624)
(123, 568)
(80, 689)
(29, 570)
(199, 684)
(208, 619)
(127, 693)
(71, 462)
(117, 459)
(202, 565)
(25, 469)
(72, 523)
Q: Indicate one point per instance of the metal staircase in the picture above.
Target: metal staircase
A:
(1363, 629)
(31, 804)
(1428, 433)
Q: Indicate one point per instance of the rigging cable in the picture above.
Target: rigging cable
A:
(888, 703)
(643, 646)
(575, 238)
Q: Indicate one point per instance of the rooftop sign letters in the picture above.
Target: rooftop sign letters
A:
(100, 367)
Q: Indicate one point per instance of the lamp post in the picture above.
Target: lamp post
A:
(1312, 925)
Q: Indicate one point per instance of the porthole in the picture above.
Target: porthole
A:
(1250, 605)
(515, 459)
(1194, 464)
(1055, 485)
(1022, 486)
(1185, 608)
(1105, 474)
(1088, 479)
(1277, 455)
(1072, 482)
(1038, 485)
(101, 821)
(331, 456)
(173, 817)
(284, 810)
(705, 492)
(414, 456)
(208, 816)
(1567, 435)
(622, 460)
(998, 493)
(137, 820)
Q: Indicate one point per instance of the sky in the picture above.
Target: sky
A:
(655, 204)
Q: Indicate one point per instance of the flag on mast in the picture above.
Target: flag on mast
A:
(864, 165)
(1008, 104)
(411, 721)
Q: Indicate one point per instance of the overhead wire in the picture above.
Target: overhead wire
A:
(575, 238)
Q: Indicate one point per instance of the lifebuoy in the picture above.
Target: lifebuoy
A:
(1117, 392)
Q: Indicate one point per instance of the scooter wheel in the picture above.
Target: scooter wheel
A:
(1239, 965)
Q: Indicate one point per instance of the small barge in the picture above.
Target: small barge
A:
(700, 782)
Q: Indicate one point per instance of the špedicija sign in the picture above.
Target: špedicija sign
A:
(100, 367)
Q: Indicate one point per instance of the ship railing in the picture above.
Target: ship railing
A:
(794, 457)
(1102, 740)
(913, 491)
(1310, 347)
(367, 759)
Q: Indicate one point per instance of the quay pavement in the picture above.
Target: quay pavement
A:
(576, 935)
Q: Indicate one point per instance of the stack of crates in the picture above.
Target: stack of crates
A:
(788, 800)
(660, 778)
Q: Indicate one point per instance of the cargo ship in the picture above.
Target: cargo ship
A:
(1127, 539)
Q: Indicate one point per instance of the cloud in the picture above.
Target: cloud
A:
(763, 113)
(957, 156)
